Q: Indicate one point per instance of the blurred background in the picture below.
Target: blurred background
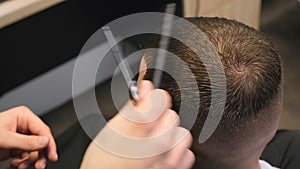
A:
(281, 21)
(40, 40)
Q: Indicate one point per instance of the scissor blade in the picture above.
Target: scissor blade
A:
(124, 67)
(163, 43)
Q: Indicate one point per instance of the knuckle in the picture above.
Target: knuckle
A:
(191, 157)
(165, 93)
(172, 113)
(48, 129)
(30, 141)
(44, 129)
(189, 137)
(172, 117)
(23, 109)
(169, 164)
(163, 97)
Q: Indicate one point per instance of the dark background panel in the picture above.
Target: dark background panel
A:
(40, 42)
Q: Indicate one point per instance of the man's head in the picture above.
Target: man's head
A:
(253, 77)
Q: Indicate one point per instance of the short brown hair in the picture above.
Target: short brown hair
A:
(253, 76)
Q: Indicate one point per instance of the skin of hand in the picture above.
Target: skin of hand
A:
(24, 137)
(178, 157)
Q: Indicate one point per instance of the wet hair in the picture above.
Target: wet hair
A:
(253, 77)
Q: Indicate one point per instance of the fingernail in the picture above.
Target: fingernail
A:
(25, 164)
(56, 156)
(43, 164)
(43, 140)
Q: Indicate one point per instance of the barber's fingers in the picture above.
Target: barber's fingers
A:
(184, 159)
(187, 140)
(187, 161)
(41, 161)
(25, 142)
(183, 154)
(180, 157)
(27, 160)
(146, 112)
(16, 162)
(51, 150)
(144, 87)
(169, 119)
(28, 122)
(30, 144)
(156, 97)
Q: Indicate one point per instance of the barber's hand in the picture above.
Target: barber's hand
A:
(26, 138)
(177, 157)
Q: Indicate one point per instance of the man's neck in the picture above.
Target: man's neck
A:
(250, 163)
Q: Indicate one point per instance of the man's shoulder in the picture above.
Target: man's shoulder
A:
(265, 165)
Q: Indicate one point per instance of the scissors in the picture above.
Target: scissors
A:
(160, 61)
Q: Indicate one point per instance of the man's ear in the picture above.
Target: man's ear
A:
(143, 69)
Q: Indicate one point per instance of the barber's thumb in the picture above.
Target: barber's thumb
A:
(144, 88)
(27, 142)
